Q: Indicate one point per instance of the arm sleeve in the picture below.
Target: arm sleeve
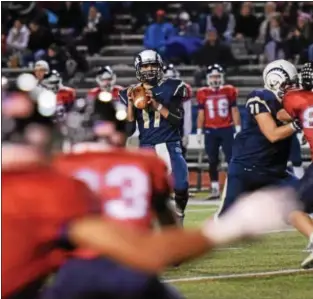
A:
(130, 128)
(288, 107)
(256, 105)
(10, 38)
(200, 99)
(233, 94)
(230, 26)
(176, 105)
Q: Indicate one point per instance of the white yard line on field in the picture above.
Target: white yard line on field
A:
(201, 210)
(240, 275)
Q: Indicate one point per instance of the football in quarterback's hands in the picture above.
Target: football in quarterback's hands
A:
(139, 97)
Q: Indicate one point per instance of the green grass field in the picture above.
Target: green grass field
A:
(278, 252)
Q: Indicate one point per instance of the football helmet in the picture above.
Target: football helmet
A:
(170, 72)
(52, 81)
(99, 120)
(106, 78)
(215, 76)
(306, 76)
(26, 110)
(278, 76)
(149, 67)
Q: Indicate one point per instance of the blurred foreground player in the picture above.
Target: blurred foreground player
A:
(160, 122)
(106, 79)
(261, 150)
(134, 191)
(299, 105)
(218, 119)
(42, 209)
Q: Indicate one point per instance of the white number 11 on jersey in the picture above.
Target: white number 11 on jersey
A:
(146, 119)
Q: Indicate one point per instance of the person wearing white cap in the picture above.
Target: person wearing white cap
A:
(41, 69)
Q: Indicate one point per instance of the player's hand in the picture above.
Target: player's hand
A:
(153, 103)
(185, 140)
(296, 125)
(199, 136)
(130, 94)
(151, 100)
(253, 214)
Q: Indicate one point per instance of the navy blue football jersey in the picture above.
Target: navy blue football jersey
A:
(153, 128)
(251, 148)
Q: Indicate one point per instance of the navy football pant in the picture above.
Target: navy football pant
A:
(173, 153)
(241, 180)
(213, 140)
(295, 152)
(101, 278)
(306, 190)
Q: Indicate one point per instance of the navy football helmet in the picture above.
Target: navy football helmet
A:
(149, 67)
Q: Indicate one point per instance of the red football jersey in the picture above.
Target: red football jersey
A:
(66, 95)
(126, 181)
(37, 204)
(94, 92)
(217, 105)
(299, 104)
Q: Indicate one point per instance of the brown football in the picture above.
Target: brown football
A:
(139, 97)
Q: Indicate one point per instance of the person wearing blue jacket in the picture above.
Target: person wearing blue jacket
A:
(158, 33)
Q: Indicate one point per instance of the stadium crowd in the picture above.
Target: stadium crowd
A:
(199, 33)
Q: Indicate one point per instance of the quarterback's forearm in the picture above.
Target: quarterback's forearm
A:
(130, 128)
(172, 115)
(130, 113)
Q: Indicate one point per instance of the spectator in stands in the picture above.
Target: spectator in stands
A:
(18, 37)
(28, 11)
(70, 17)
(158, 33)
(269, 10)
(39, 40)
(246, 23)
(223, 22)
(185, 27)
(94, 30)
(213, 51)
(274, 39)
(299, 38)
(56, 59)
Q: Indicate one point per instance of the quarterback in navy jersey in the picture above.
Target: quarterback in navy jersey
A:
(261, 150)
(159, 125)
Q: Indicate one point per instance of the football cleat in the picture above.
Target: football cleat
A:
(215, 194)
(308, 262)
